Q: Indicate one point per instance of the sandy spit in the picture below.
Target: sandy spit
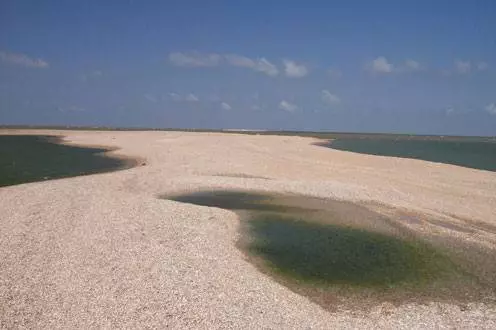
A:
(101, 251)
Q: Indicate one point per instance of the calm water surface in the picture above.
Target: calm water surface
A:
(473, 154)
(330, 250)
(29, 158)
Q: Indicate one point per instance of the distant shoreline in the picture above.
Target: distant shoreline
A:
(471, 152)
(314, 134)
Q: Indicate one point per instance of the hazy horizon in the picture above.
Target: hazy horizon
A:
(228, 130)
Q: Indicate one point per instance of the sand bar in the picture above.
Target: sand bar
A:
(103, 251)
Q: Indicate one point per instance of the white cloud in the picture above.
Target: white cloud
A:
(463, 67)
(482, 66)
(329, 98)
(241, 61)
(449, 111)
(286, 106)
(174, 96)
(191, 98)
(225, 106)
(260, 65)
(491, 108)
(412, 65)
(194, 59)
(266, 67)
(23, 60)
(187, 98)
(381, 65)
(294, 70)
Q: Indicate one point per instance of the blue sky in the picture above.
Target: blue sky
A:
(426, 67)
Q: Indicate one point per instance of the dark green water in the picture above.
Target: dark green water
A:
(29, 158)
(311, 246)
(329, 254)
(473, 154)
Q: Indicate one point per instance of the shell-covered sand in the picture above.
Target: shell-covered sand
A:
(103, 251)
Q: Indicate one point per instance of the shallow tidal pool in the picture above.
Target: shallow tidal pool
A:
(339, 253)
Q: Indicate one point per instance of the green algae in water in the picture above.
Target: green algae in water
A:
(293, 243)
(342, 254)
(29, 158)
(329, 254)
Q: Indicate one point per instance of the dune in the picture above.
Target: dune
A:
(105, 250)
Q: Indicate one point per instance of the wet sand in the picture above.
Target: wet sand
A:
(105, 251)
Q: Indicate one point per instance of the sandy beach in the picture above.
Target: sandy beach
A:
(103, 251)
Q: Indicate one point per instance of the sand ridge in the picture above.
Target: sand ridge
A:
(104, 251)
